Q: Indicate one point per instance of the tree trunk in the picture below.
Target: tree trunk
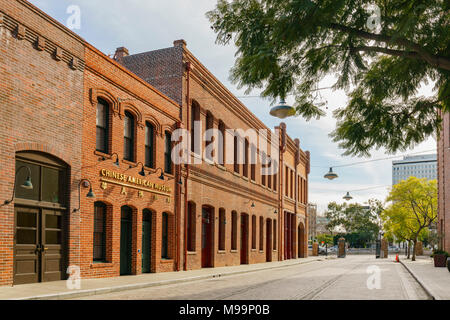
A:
(414, 250)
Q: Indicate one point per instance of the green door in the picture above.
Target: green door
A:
(125, 241)
(146, 242)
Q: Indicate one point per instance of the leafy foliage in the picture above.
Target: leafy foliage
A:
(288, 46)
(412, 211)
(355, 218)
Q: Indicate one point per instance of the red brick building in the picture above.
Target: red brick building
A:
(41, 98)
(86, 159)
(443, 160)
(233, 213)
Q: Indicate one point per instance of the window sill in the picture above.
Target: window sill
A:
(107, 156)
(209, 161)
(261, 251)
(95, 265)
(245, 178)
(166, 260)
(192, 253)
(253, 250)
(234, 251)
(221, 167)
(254, 182)
(221, 252)
(236, 174)
(131, 163)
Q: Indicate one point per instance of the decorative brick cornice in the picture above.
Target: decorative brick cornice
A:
(40, 42)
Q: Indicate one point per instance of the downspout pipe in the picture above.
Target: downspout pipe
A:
(188, 109)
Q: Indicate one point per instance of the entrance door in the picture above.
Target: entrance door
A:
(38, 245)
(146, 241)
(125, 241)
(207, 237)
(301, 241)
(244, 238)
(269, 241)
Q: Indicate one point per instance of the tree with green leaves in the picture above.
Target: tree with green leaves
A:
(355, 218)
(381, 52)
(412, 211)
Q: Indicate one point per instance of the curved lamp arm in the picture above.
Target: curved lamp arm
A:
(142, 172)
(90, 194)
(162, 173)
(26, 185)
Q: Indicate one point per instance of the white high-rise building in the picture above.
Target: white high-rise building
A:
(423, 166)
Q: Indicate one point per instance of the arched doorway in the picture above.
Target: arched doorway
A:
(244, 238)
(146, 240)
(126, 240)
(301, 241)
(40, 212)
(268, 240)
(207, 236)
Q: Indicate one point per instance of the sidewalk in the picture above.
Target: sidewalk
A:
(434, 280)
(58, 289)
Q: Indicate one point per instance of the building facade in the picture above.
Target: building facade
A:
(90, 185)
(443, 160)
(41, 98)
(233, 213)
(312, 221)
(423, 166)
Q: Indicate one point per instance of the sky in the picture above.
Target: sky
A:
(144, 25)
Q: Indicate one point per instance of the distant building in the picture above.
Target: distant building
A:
(423, 166)
(321, 225)
(312, 220)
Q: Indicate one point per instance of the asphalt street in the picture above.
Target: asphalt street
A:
(359, 277)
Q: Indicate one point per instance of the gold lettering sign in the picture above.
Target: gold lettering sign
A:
(133, 182)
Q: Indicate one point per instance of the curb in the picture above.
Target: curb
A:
(421, 282)
(134, 286)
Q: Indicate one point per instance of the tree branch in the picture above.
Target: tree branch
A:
(434, 60)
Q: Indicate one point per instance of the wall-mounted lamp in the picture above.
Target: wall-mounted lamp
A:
(89, 195)
(142, 172)
(26, 185)
(161, 177)
(116, 163)
(252, 205)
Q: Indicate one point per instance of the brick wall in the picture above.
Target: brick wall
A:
(41, 81)
(124, 91)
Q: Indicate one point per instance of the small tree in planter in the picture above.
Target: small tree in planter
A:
(440, 258)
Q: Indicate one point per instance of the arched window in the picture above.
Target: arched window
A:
(253, 232)
(99, 232)
(165, 236)
(167, 153)
(128, 135)
(236, 154)
(209, 125)
(149, 145)
(191, 226)
(195, 116)
(234, 226)
(246, 158)
(253, 163)
(274, 234)
(222, 223)
(261, 233)
(221, 144)
(102, 131)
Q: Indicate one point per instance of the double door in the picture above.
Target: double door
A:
(38, 245)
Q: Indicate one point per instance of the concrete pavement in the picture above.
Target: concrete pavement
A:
(435, 280)
(91, 287)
